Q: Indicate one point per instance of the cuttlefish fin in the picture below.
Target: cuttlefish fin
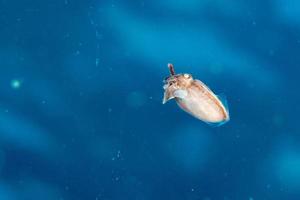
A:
(223, 99)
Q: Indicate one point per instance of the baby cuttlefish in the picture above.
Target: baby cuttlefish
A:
(195, 98)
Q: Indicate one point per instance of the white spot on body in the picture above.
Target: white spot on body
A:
(180, 93)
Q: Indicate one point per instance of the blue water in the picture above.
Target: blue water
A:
(81, 114)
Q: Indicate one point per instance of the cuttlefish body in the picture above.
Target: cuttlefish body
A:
(195, 98)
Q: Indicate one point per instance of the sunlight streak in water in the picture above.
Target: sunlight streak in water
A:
(228, 7)
(189, 46)
(288, 169)
(288, 11)
(17, 130)
(191, 148)
(6, 192)
(283, 167)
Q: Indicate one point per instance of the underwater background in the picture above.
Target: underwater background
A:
(81, 114)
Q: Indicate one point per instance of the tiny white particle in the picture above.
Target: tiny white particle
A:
(15, 84)
(97, 62)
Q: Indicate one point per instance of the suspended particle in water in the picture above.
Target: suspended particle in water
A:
(97, 62)
(15, 84)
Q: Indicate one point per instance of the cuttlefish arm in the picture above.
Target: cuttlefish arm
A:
(178, 93)
(167, 96)
(171, 93)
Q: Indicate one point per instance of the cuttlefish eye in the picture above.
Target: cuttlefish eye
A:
(187, 76)
(172, 82)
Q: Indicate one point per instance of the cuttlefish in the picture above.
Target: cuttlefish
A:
(194, 97)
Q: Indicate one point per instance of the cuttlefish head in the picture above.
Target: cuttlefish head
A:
(176, 85)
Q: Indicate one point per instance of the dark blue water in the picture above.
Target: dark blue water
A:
(81, 114)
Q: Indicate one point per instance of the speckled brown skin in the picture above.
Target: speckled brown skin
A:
(199, 100)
